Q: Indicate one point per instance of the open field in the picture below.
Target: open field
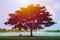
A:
(30, 38)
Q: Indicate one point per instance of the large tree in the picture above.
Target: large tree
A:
(32, 17)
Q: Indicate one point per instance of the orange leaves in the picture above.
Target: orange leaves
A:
(30, 11)
(32, 16)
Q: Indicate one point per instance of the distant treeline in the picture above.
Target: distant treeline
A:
(5, 30)
(52, 30)
(2, 30)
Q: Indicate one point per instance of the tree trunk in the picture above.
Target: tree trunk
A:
(31, 32)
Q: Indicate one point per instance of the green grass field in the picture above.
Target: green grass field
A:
(30, 38)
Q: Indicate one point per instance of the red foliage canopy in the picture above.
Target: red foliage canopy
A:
(31, 17)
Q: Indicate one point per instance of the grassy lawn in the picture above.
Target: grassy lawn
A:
(30, 38)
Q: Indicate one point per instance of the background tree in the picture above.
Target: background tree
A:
(32, 17)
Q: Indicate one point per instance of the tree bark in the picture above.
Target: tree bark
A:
(31, 32)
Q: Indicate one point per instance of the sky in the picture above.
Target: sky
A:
(10, 6)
